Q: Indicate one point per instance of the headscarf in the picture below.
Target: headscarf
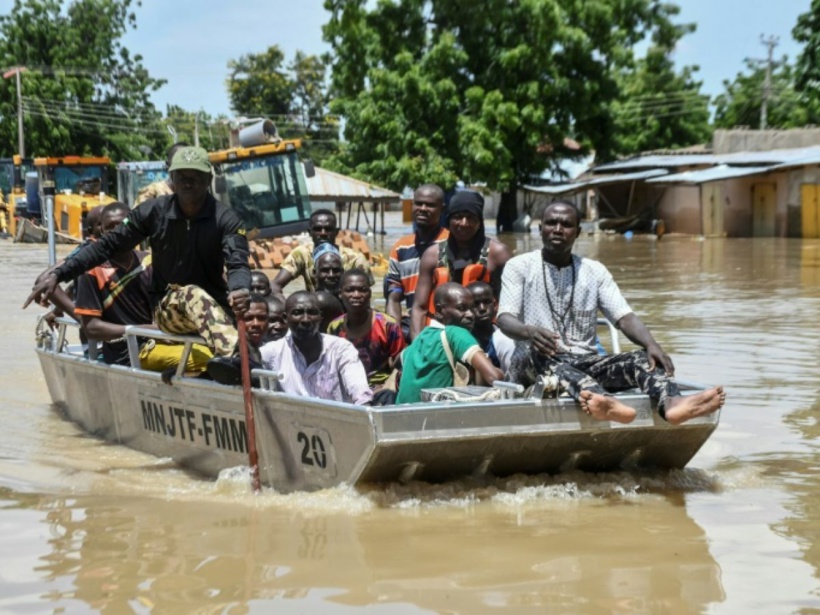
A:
(324, 248)
(471, 202)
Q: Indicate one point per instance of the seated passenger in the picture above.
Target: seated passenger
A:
(277, 325)
(376, 336)
(328, 269)
(428, 361)
(260, 284)
(116, 294)
(314, 364)
(228, 370)
(330, 307)
(492, 340)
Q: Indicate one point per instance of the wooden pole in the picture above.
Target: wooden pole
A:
(250, 424)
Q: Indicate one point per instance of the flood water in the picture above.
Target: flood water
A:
(92, 527)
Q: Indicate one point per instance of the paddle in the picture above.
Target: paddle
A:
(253, 456)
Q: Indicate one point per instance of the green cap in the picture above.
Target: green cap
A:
(193, 158)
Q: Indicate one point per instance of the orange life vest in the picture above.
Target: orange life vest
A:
(476, 272)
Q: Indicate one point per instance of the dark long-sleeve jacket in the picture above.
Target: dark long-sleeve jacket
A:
(183, 250)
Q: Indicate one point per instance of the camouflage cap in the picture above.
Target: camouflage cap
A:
(192, 158)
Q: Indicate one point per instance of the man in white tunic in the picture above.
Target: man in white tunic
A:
(550, 300)
(314, 364)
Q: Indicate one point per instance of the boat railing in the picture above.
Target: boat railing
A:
(132, 337)
(614, 334)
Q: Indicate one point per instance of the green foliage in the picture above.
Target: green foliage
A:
(433, 90)
(807, 68)
(739, 105)
(659, 108)
(258, 85)
(295, 97)
(83, 92)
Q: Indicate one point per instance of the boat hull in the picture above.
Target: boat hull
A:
(308, 444)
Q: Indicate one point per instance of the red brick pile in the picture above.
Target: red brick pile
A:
(269, 253)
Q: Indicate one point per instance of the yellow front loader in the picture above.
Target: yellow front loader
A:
(80, 184)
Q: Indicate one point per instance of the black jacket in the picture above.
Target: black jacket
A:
(183, 251)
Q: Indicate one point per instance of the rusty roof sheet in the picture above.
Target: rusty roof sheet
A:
(329, 186)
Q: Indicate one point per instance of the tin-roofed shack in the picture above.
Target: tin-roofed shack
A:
(329, 189)
(760, 192)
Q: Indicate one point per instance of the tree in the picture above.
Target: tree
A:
(660, 108)
(258, 84)
(740, 104)
(83, 92)
(182, 125)
(309, 119)
(433, 90)
(807, 69)
(295, 97)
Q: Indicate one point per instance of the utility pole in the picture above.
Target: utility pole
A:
(771, 43)
(21, 139)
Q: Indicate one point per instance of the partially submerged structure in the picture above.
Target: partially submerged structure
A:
(770, 192)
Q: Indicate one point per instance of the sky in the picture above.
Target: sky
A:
(189, 42)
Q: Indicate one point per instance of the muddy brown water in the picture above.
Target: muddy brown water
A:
(92, 527)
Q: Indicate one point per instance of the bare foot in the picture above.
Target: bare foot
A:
(603, 408)
(683, 408)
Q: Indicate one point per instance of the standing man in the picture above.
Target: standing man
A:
(322, 229)
(429, 362)
(194, 242)
(314, 364)
(163, 187)
(403, 268)
(550, 299)
(467, 256)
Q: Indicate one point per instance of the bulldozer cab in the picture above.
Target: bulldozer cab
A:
(263, 180)
(134, 176)
(80, 183)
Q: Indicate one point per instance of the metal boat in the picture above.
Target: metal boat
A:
(309, 444)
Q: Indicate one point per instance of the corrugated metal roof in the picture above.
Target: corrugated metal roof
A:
(656, 161)
(712, 174)
(329, 186)
(595, 181)
(811, 159)
(771, 157)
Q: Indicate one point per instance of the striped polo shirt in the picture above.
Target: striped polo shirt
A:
(403, 268)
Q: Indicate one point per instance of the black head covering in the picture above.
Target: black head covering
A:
(470, 202)
(467, 201)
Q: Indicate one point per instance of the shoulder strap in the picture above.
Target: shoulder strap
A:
(447, 350)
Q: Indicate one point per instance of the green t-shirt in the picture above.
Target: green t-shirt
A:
(425, 364)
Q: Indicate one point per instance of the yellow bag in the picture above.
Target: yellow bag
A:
(158, 356)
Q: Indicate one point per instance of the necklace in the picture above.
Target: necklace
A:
(559, 317)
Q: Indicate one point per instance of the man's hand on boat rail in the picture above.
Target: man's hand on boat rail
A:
(240, 301)
(43, 288)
